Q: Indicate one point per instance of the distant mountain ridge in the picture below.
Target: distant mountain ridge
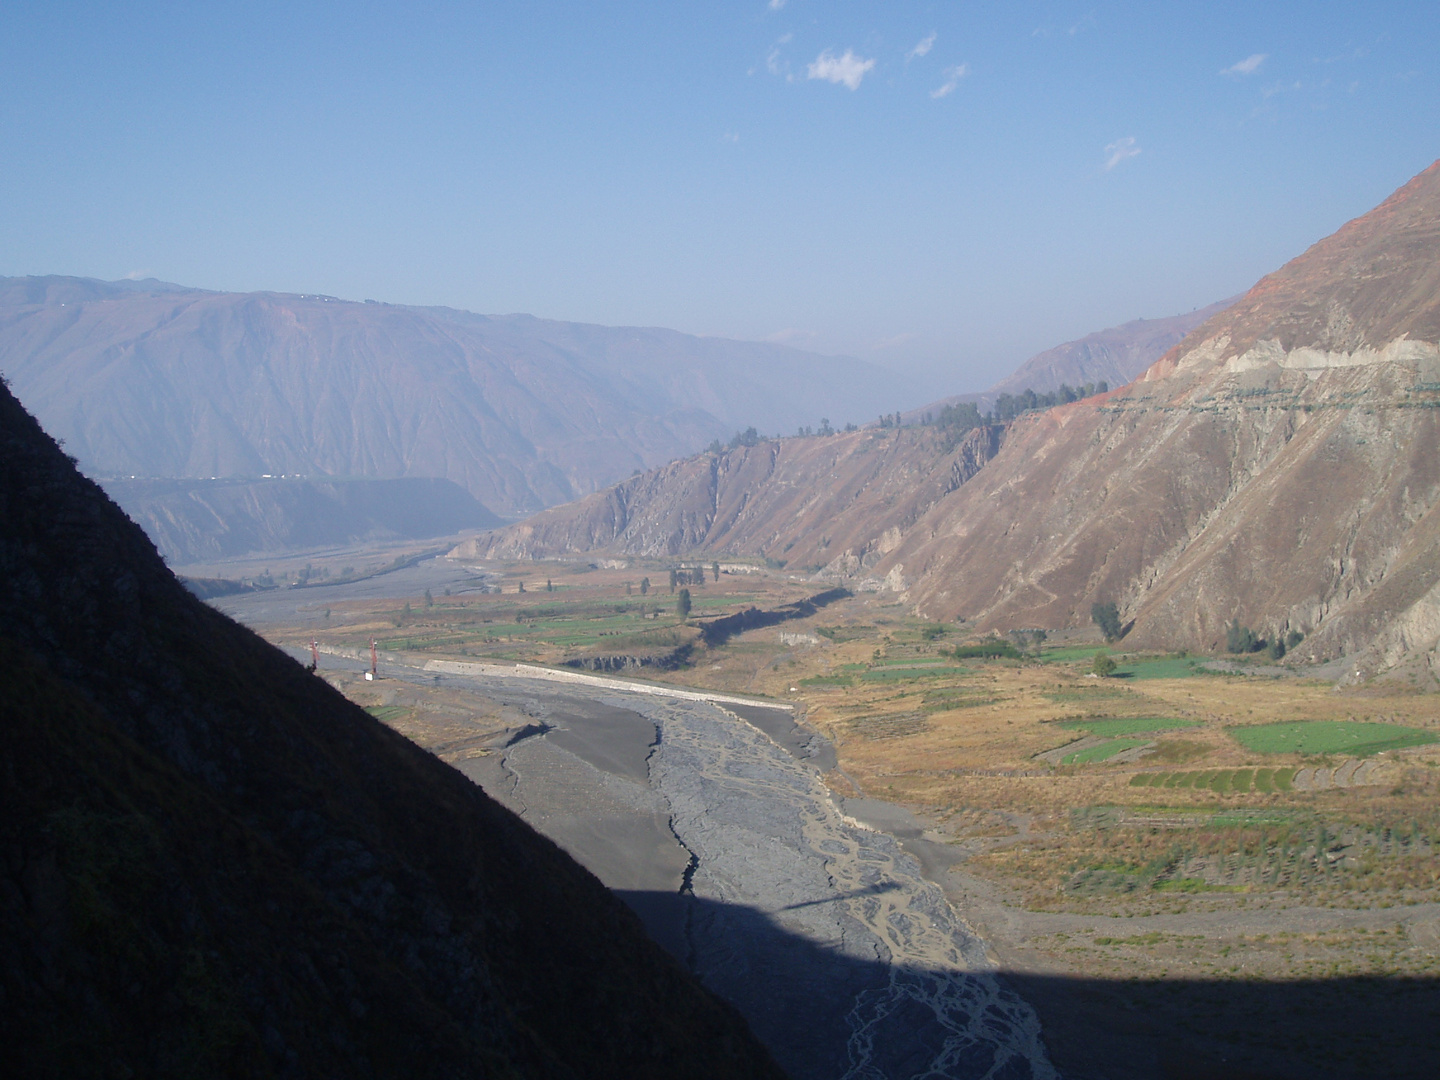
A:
(1114, 356)
(151, 379)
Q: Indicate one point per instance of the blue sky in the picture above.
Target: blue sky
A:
(945, 188)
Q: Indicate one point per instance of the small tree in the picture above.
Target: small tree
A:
(1293, 638)
(549, 587)
(521, 588)
(682, 604)
(1239, 639)
(644, 586)
(1277, 648)
(429, 599)
(1103, 665)
(1107, 617)
(715, 569)
(674, 578)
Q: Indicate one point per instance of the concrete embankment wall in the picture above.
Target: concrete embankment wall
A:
(530, 671)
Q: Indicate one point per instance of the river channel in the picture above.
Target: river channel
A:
(710, 819)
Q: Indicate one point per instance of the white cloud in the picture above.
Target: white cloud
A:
(923, 46)
(776, 5)
(730, 137)
(952, 79)
(136, 275)
(773, 63)
(1118, 151)
(1248, 66)
(848, 69)
(892, 342)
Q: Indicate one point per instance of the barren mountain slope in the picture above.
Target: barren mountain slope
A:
(841, 500)
(153, 380)
(212, 864)
(1281, 465)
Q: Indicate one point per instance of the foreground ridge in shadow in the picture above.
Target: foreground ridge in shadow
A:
(827, 1015)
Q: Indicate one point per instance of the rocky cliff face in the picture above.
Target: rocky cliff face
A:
(1278, 466)
(839, 502)
(211, 864)
(152, 380)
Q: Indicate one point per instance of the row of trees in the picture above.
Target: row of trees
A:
(692, 575)
(1241, 639)
(748, 437)
(1009, 406)
(965, 416)
(955, 420)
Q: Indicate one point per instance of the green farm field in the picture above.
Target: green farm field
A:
(1354, 738)
(1104, 752)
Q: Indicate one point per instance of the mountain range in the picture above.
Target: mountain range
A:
(150, 380)
(1279, 466)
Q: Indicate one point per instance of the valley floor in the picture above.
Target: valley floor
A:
(1174, 893)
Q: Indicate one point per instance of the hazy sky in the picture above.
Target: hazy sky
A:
(945, 187)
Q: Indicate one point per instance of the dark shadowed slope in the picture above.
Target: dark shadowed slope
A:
(152, 380)
(214, 865)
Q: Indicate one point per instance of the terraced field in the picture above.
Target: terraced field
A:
(1104, 752)
(1220, 781)
(1114, 727)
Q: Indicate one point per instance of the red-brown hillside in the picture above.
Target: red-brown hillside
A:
(1281, 465)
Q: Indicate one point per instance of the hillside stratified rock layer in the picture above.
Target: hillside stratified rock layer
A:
(153, 380)
(211, 864)
(1281, 465)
